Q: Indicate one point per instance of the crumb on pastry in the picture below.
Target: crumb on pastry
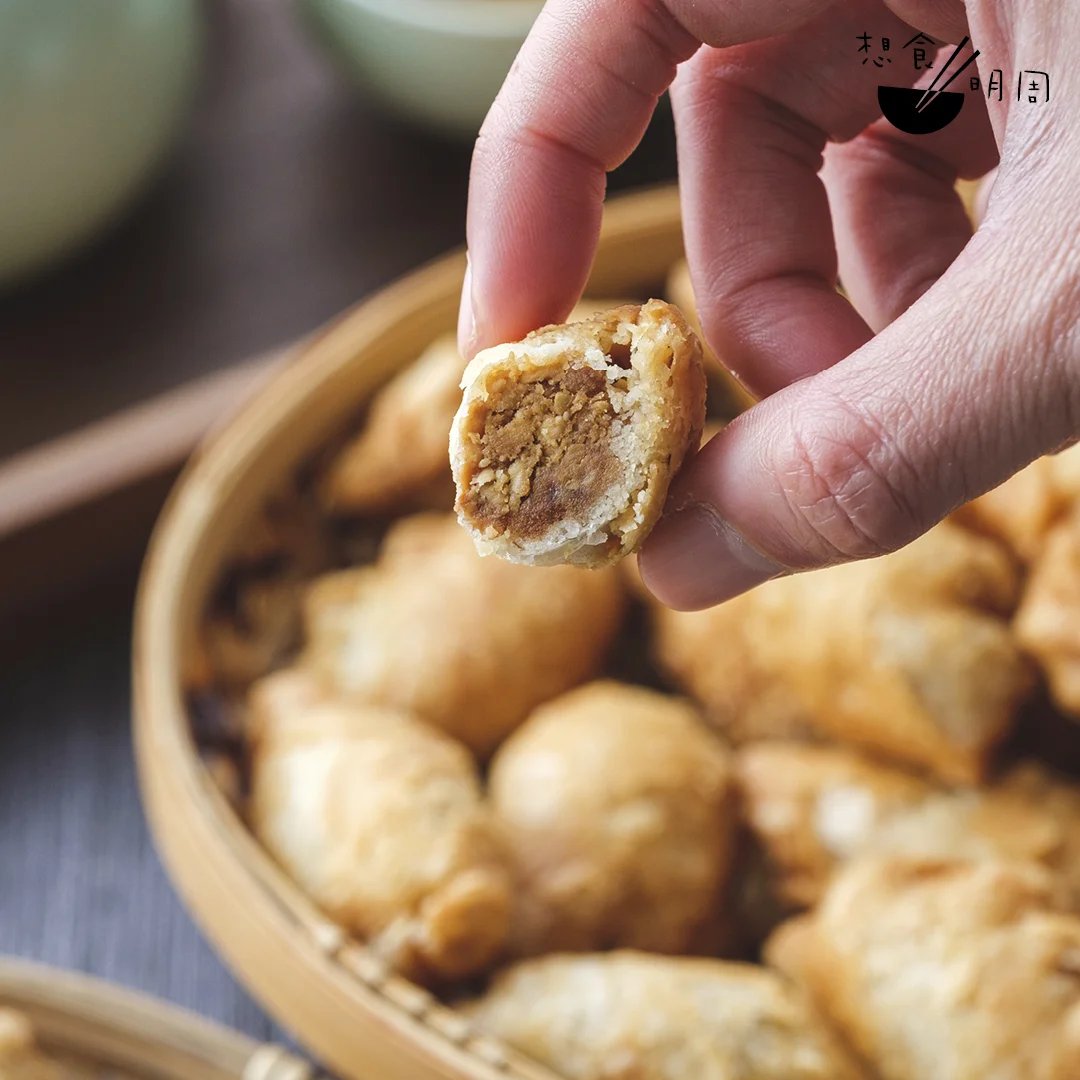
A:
(565, 443)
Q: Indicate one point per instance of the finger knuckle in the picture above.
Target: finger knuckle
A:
(849, 489)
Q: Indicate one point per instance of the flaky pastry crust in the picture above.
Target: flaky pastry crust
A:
(614, 800)
(909, 655)
(813, 809)
(1047, 623)
(1022, 512)
(634, 1015)
(381, 820)
(470, 645)
(944, 970)
(565, 443)
(399, 456)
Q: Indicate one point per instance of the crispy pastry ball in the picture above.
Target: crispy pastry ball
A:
(1023, 510)
(643, 1017)
(731, 396)
(1047, 624)
(939, 970)
(468, 644)
(615, 802)
(815, 808)
(20, 1058)
(565, 443)
(908, 655)
(380, 819)
(398, 460)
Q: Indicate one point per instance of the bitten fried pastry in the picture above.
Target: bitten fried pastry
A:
(380, 819)
(470, 645)
(398, 459)
(614, 800)
(565, 443)
(937, 970)
(815, 808)
(1022, 511)
(731, 396)
(1047, 623)
(632, 1015)
(909, 655)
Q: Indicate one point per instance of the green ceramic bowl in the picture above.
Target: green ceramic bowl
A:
(439, 62)
(91, 92)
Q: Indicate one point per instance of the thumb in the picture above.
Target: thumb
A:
(975, 380)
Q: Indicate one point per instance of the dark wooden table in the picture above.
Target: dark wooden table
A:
(289, 198)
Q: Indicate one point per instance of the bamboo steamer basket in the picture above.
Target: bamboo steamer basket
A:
(338, 999)
(110, 1028)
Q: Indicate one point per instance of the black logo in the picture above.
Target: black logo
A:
(921, 112)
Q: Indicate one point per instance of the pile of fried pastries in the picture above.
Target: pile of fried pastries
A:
(22, 1059)
(825, 831)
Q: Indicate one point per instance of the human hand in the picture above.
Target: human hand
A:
(957, 360)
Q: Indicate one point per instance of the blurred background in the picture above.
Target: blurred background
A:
(187, 190)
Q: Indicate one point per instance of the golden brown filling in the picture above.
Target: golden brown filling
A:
(542, 454)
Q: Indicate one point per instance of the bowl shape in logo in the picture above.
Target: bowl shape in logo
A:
(899, 105)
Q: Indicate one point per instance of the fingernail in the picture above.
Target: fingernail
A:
(694, 559)
(466, 319)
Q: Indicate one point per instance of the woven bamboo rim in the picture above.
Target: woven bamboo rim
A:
(120, 1029)
(336, 997)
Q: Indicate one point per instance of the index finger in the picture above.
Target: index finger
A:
(575, 104)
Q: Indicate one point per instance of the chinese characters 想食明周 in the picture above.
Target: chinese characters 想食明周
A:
(1031, 82)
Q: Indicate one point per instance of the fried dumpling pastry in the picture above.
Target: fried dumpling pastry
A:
(399, 456)
(565, 443)
(470, 645)
(815, 808)
(944, 970)
(628, 1014)
(614, 800)
(1047, 624)
(380, 819)
(1022, 511)
(909, 655)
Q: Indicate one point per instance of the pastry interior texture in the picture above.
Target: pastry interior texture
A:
(381, 820)
(565, 443)
(944, 970)
(1024, 510)
(1047, 624)
(627, 1014)
(909, 655)
(614, 800)
(814, 809)
(470, 645)
(398, 459)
